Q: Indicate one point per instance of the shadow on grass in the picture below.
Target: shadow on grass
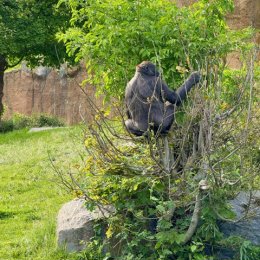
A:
(5, 215)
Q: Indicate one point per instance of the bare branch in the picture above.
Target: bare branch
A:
(194, 220)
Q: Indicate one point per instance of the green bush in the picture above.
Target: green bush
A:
(182, 183)
(133, 174)
(44, 120)
(177, 39)
(20, 121)
(6, 126)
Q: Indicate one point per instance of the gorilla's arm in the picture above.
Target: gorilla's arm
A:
(128, 98)
(128, 113)
(182, 91)
(176, 97)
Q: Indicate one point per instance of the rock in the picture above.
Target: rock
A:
(42, 72)
(39, 129)
(248, 228)
(75, 224)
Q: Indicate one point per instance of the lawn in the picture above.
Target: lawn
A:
(30, 191)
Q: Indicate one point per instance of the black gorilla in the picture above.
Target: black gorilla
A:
(149, 101)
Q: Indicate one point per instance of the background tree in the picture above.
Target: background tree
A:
(27, 30)
(115, 36)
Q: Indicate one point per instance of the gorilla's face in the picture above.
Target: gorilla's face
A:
(147, 68)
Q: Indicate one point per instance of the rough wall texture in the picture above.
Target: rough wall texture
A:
(246, 13)
(55, 93)
(48, 91)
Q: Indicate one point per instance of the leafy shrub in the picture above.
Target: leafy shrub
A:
(44, 120)
(155, 195)
(155, 184)
(177, 39)
(20, 121)
(6, 126)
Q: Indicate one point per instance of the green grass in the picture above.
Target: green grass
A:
(30, 194)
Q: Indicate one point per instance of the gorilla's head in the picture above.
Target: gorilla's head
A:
(147, 68)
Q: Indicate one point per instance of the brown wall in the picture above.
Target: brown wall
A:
(246, 13)
(54, 93)
(47, 91)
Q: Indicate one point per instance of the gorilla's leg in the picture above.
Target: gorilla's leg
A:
(132, 128)
(167, 120)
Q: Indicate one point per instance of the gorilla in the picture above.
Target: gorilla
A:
(150, 103)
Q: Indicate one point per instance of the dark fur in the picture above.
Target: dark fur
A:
(149, 101)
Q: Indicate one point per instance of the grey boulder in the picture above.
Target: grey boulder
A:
(75, 224)
(248, 228)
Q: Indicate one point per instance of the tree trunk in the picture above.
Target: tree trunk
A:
(3, 66)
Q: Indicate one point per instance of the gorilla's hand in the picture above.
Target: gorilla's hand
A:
(196, 77)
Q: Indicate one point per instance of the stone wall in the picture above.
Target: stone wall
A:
(58, 92)
(48, 91)
(246, 13)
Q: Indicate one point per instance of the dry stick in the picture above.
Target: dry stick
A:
(99, 205)
(244, 216)
(166, 159)
(182, 145)
(194, 219)
(101, 144)
(102, 141)
(249, 110)
(115, 149)
(158, 163)
(64, 182)
(197, 208)
(209, 143)
(153, 156)
(194, 155)
(173, 165)
(226, 157)
(95, 108)
(233, 109)
(249, 78)
(159, 148)
(166, 164)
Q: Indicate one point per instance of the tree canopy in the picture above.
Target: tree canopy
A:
(115, 36)
(27, 30)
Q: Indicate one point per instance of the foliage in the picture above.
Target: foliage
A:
(154, 183)
(20, 121)
(154, 194)
(115, 36)
(6, 126)
(45, 120)
(168, 192)
(244, 250)
(28, 31)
